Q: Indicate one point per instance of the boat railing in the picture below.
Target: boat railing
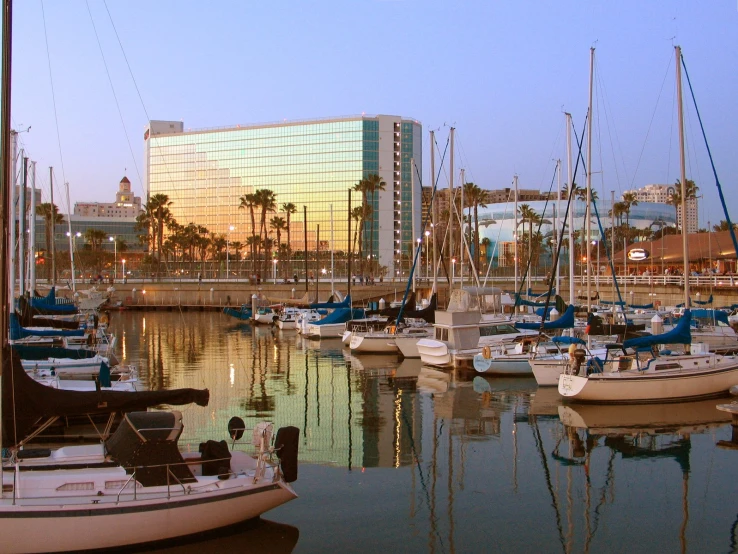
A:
(169, 490)
(132, 477)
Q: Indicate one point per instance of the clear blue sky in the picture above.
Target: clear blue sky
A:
(500, 72)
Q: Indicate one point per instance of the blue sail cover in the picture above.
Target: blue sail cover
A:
(333, 305)
(642, 306)
(609, 302)
(711, 315)
(568, 340)
(341, 315)
(566, 321)
(51, 304)
(680, 334)
(17, 332)
(703, 302)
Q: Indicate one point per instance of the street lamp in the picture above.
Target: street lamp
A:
(124, 270)
(274, 270)
(228, 251)
(427, 255)
(71, 257)
(453, 270)
(115, 257)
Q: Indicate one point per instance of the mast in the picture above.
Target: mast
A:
(350, 249)
(515, 234)
(10, 197)
(32, 233)
(317, 262)
(557, 233)
(71, 240)
(588, 211)
(333, 248)
(305, 228)
(53, 229)
(434, 207)
(22, 231)
(462, 236)
(682, 174)
(416, 214)
(451, 205)
(612, 238)
(569, 179)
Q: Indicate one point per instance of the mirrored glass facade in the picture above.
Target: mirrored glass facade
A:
(310, 164)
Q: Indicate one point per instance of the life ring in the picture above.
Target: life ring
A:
(486, 352)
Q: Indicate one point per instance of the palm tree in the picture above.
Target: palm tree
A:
(359, 214)
(485, 244)
(278, 224)
(374, 183)
(527, 214)
(52, 218)
(676, 197)
(475, 198)
(723, 226)
(266, 200)
(155, 217)
(629, 199)
(95, 238)
(289, 208)
(250, 201)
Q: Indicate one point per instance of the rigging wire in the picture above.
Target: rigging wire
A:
(53, 94)
(112, 89)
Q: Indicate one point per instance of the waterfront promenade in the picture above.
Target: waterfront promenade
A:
(216, 294)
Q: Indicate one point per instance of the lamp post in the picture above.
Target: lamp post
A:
(114, 240)
(123, 261)
(228, 251)
(427, 255)
(274, 270)
(453, 270)
(74, 236)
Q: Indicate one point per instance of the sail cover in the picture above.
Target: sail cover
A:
(25, 402)
(566, 321)
(678, 335)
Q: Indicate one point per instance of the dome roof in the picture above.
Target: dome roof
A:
(125, 180)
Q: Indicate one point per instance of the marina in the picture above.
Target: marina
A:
(440, 451)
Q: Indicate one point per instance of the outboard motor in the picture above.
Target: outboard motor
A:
(286, 445)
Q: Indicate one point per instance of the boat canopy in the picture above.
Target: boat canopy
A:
(26, 403)
(680, 334)
(712, 315)
(345, 303)
(568, 340)
(566, 321)
(17, 332)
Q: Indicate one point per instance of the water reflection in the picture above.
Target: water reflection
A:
(448, 461)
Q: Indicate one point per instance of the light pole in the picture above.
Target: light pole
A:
(427, 255)
(124, 270)
(453, 271)
(228, 251)
(114, 240)
(274, 270)
(74, 236)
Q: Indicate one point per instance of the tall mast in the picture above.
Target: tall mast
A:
(682, 174)
(451, 205)
(515, 234)
(10, 197)
(572, 297)
(434, 207)
(72, 240)
(53, 229)
(32, 233)
(416, 225)
(22, 231)
(557, 232)
(350, 249)
(461, 229)
(589, 182)
(333, 248)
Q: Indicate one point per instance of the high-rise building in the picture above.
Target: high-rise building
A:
(662, 194)
(208, 174)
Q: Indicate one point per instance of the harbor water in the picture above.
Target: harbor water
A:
(398, 457)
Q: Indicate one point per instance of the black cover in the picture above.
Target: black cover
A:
(286, 444)
(215, 458)
(146, 442)
(33, 352)
(26, 403)
(428, 313)
(28, 318)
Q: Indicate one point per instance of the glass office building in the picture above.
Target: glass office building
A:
(310, 164)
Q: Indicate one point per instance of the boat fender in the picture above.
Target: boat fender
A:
(286, 445)
(486, 352)
(236, 427)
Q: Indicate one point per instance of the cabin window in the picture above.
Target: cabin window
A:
(86, 486)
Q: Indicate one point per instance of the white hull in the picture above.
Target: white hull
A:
(509, 365)
(111, 524)
(66, 365)
(329, 331)
(434, 352)
(706, 379)
(547, 372)
(286, 325)
(380, 343)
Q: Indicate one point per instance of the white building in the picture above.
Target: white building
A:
(126, 205)
(662, 194)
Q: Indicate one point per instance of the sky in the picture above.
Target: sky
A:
(501, 72)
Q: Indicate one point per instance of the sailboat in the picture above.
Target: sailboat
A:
(136, 487)
(628, 375)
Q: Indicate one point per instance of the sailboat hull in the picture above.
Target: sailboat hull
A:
(667, 386)
(110, 524)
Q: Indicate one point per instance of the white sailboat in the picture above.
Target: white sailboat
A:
(632, 377)
(136, 487)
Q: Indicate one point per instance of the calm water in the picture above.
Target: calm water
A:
(396, 457)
